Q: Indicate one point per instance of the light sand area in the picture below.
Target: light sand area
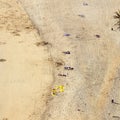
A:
(25, 72)
(95, 56)
(28, 71)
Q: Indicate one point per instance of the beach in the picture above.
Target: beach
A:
(59, 60)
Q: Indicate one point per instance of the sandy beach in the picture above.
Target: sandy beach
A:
(60, 60)
(25, 72)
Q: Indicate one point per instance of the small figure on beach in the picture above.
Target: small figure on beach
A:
(66, 34)
(113, 101)
(67, 52)
(62, 75)
(68, 68)
(98, 36)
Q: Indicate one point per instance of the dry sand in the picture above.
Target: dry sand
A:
(30, 72)
(25, 72)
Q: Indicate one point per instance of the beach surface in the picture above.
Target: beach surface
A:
(60, 60)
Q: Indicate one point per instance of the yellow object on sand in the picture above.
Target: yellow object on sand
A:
(57, 89)
(61, 88)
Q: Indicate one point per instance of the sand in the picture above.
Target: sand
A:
(25, 72)
(91, 85)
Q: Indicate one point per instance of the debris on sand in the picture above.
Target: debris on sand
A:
(112, 29)
(85, 4)
(81, 15)
(2, 60)
(59, 62)
(77, 36)
(62, 75)
(43, 43)
(67, 52)
(117, 17)
(2, 43)
(66, 34)
(54, 92)
(68, 68)
(57, 90)
(112, 101)
(5, 119)
(116, 117)
(98, 36)
(16, 33)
